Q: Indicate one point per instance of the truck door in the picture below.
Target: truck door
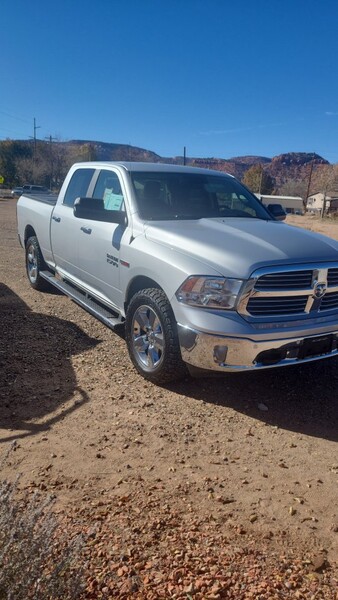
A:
(99, 242)
(64, 227)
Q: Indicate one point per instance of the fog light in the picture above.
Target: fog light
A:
(220, 354)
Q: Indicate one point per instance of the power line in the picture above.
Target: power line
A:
(3, 112)
(13, 131)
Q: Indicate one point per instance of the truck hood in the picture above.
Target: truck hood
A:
(235, 247)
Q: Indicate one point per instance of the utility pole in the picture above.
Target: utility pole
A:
(35, 127)
(322, 212)
(50, 138)
(309, 183)
(184, 155)
(260, 181)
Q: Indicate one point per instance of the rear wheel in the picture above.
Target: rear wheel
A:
(152, 339)
(35, 264)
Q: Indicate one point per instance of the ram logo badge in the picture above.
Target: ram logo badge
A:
(112, 260)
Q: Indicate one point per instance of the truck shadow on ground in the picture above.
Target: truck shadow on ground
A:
(37, 378)
(300, 398)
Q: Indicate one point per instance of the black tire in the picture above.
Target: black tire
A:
(35, 264)
(151, 336)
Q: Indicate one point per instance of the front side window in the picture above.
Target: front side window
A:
(167, 196)
(78, 185)
(108, 189)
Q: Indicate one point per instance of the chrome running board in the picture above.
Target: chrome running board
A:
(103, 313)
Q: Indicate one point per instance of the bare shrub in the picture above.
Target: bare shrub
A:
(37, 560)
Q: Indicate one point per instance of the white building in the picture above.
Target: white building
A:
(315, 202)
(292, 204)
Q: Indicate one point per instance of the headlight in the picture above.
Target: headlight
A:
(209, 292)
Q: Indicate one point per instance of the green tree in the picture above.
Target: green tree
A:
(257, 180)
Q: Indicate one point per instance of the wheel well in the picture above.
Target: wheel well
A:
(139, 283)
(29, 232)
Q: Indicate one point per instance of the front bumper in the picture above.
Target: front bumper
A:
(222, 353)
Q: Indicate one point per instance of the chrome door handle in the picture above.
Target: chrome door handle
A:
(86, 229)
(57, 219)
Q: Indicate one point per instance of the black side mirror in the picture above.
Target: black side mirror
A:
(277, 211)
(93, 209)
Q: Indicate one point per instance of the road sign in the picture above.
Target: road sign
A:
(2, 179)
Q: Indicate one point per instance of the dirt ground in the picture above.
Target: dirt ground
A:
(243, 464)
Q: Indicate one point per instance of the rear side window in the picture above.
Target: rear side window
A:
(78, 185)
(108, 189)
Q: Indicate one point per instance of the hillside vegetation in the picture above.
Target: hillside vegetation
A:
(47, 162)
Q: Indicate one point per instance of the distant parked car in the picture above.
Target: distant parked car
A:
(17, 191)
(35, 189)
(30, 189)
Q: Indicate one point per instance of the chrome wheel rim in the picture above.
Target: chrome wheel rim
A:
(148, 339)
(32, 263)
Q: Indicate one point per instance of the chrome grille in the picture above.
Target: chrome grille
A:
(276, 306)
(332, 277)
(271, 293)
(329, 301)
(285, 281)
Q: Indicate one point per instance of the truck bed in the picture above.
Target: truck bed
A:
(36, 210)
(45, 198)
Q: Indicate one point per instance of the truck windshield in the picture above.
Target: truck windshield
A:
(169, 195)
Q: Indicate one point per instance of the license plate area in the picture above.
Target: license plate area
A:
(316, 346)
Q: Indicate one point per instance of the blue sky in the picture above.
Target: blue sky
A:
(223, 78)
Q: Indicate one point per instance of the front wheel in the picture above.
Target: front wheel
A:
(151, 337)
(35, 264)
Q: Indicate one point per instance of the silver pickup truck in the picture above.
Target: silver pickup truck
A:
(196, 269)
